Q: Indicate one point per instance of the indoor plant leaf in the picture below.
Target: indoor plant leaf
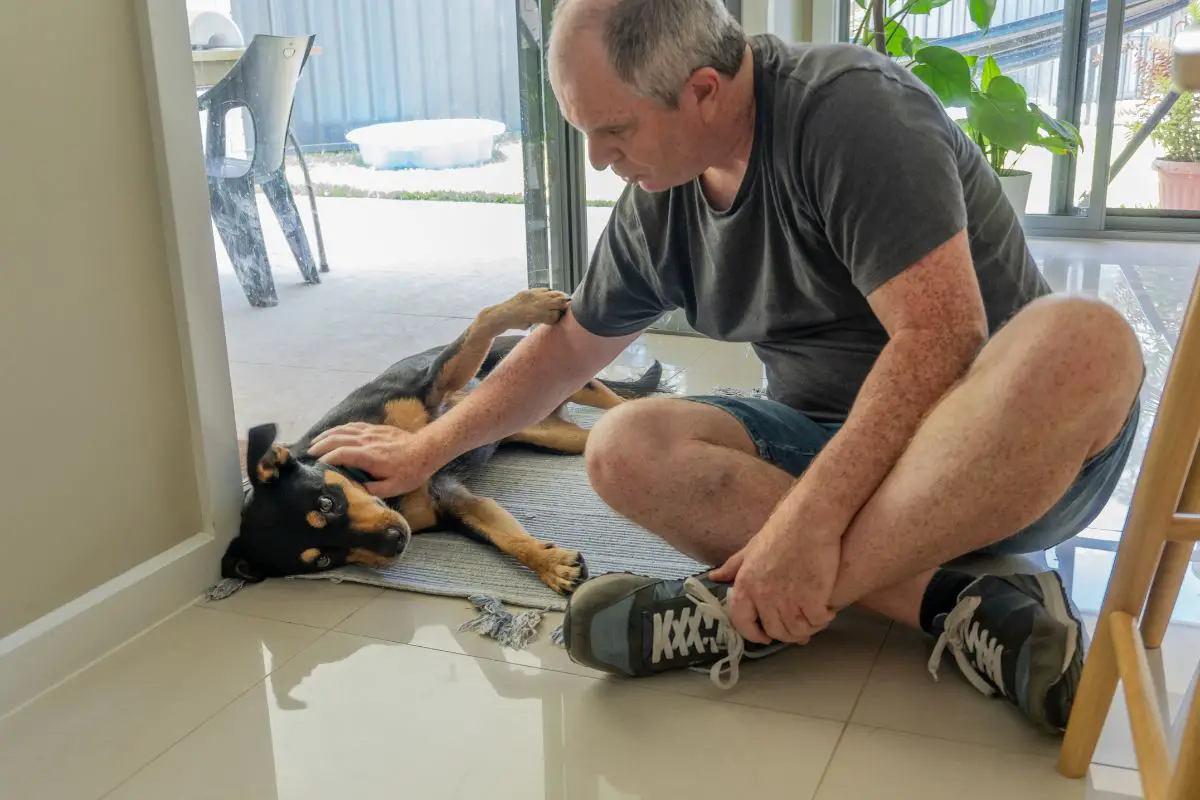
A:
(1008, 94)
(1057, 127)
(946, 72)
(981, 12)
(991, 70)
(897, 38)
(926, 6)
(1007, 127)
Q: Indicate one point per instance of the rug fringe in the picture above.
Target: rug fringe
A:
(497, 622)
(223, 588)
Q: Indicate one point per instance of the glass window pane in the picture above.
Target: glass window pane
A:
(1162, 173)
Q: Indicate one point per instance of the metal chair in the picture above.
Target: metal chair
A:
(1152, 561)
(263, 82)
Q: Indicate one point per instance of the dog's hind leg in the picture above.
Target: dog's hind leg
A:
(459, 363)
(553, 433)
(596, 395)
(562, 570)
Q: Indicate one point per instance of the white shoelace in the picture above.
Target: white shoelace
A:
(966, 638)
(682, 635)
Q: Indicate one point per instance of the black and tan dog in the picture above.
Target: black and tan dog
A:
(302, 516)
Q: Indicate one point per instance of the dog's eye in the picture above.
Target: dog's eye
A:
(325, 504)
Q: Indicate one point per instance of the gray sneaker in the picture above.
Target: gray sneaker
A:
(637, 626)
(1019, 636)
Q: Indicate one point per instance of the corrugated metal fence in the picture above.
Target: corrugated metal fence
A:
(392, 60)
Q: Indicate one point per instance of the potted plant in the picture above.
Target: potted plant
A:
(999, 117)
(1177, 132)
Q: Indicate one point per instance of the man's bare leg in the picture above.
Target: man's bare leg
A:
(1050, 390)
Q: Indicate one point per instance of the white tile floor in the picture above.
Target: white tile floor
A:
(307, 690)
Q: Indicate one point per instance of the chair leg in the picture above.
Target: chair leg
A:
(235, 213)
(1093, 699)
(312, 202)
(1176, 558)
(280, 196)
(1185, 783)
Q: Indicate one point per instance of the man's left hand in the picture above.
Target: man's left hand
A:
(782, 582)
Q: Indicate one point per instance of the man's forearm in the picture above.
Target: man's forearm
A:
(912, 373)
(534, 379)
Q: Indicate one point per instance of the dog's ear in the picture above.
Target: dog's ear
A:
(236, 564)
(265, 460)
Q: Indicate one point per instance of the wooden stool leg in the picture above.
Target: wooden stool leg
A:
(1177, 556)
(1185, 784)
(1159, 488)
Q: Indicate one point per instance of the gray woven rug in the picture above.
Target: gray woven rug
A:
(550, 496)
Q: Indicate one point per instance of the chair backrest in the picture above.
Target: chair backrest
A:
(263, 81)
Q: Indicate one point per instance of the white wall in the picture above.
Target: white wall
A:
(98, 471)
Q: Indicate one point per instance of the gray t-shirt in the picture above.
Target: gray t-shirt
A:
(856, 173)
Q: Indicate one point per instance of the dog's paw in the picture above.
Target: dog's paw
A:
(533, 307)
(563, 570)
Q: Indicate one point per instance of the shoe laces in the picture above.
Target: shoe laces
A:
(706, 627)
(965, 638)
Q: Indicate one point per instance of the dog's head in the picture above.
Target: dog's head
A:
(307, 517)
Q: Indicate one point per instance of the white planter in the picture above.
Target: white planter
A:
(1016, 189)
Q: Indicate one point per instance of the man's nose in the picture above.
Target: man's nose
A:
(601, 155)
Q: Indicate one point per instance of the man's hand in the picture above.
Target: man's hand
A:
(782, 582)
(399, 461)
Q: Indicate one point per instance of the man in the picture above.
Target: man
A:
(929, 399)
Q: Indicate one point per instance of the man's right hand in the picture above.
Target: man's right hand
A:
(400, 461)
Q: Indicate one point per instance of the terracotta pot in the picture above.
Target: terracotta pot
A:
(1016, 189)
(1178, 185)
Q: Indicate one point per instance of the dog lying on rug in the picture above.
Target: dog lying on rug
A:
(302, 516)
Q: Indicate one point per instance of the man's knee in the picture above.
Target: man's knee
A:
(1083, 347)
(624, 440)
(636, 441)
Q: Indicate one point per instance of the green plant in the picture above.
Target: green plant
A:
(1178, 132)
(999, 117)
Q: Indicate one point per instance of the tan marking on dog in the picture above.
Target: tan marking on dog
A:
(418, 508)
(315, 519)
(553, 433)
(596, 395)
(367, 558)
(366, 512)
(310, 555)
(558, 568)
(268, 466)
(407, 414)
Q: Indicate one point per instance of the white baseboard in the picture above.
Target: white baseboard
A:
(51, 649)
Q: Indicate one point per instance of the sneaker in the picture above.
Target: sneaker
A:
(1019, 636)
(637, 626)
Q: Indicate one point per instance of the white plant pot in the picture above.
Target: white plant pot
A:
(1016, 189)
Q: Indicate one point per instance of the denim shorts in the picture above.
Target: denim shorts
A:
(790, 440)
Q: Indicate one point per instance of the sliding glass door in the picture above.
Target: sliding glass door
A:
(1103, 67)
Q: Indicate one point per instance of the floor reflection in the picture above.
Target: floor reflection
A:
(1150, 283)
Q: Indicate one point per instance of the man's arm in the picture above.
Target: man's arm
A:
(537, 376)
(934, 316)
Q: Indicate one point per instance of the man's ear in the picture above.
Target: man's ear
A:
(265, 460)
(235, 564)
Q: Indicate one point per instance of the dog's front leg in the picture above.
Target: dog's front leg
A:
(562, 570)
(459, 363)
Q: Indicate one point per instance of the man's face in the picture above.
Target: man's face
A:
(642, 141)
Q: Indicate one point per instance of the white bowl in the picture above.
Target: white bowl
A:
(427, 143)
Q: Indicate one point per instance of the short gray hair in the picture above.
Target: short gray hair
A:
(655, 45)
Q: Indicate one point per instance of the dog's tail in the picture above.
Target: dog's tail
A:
(648, 383)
